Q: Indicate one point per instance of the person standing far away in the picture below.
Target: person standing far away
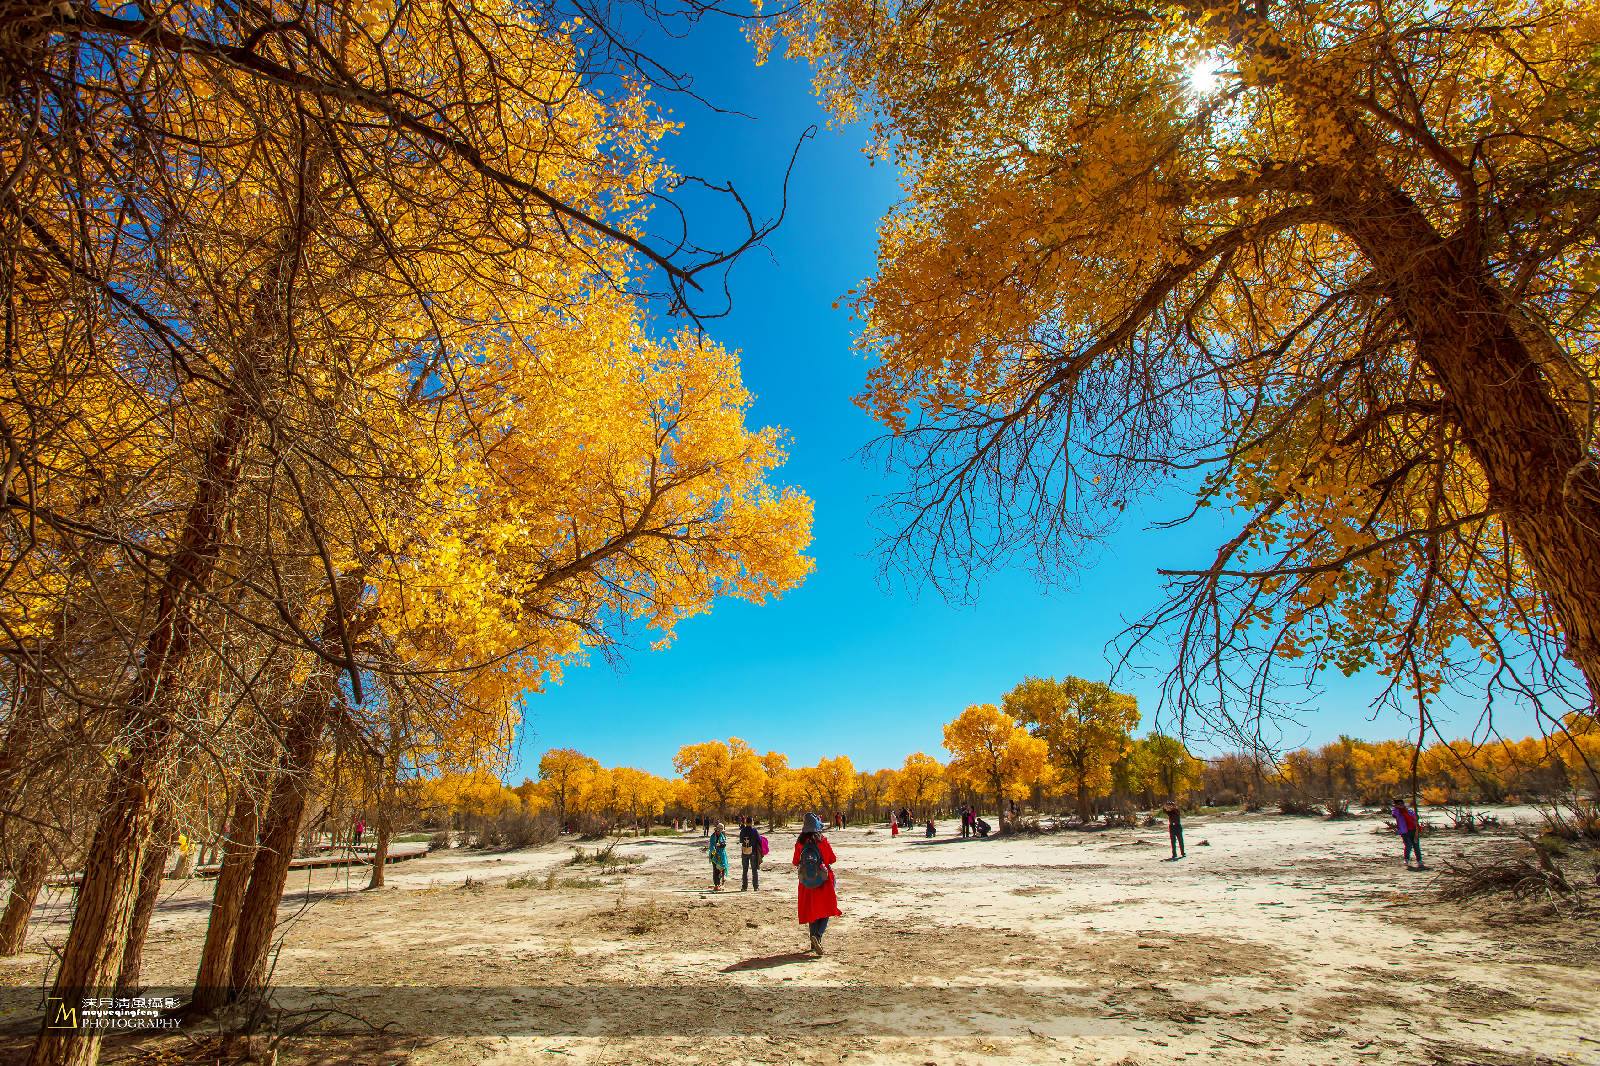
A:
(749, 854)
(718, 850)
(894, 825)
(1175, 830)
(361, 826)
(1408, 825)
(930, 830)
(818, 900)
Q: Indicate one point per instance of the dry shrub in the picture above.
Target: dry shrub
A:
(1533, 873)
(1225, 798)
(1338, 808)
(516, 829)
(1573, 819)
(1298, 807)
(589, 826)
(605, 858)
(1466, 820)
(439, 841)
(646, 920)
(1034, 825)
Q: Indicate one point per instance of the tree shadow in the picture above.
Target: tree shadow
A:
(767, 962)
(936, 841)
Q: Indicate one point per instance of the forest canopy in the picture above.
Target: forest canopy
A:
(337, 417)
(1331, 264)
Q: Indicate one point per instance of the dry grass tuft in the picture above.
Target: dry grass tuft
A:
(605, 858)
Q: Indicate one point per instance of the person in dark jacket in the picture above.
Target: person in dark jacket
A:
(749, 854)
(1175, 831)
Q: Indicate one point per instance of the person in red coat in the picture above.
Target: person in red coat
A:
(818, 901)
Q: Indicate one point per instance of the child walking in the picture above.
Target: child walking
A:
(818, 901)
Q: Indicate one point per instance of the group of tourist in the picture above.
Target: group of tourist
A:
(814, 857)
(752, 848)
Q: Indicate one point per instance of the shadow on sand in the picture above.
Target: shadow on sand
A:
(948, 840)
(767, 962)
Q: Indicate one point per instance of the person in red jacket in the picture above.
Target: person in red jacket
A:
(818, 901)
(1407, 825)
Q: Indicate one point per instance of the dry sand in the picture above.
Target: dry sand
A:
(1282, 940)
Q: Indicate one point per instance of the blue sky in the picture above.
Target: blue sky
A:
(846, 664)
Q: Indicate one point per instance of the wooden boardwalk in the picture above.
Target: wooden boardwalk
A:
(361, 856)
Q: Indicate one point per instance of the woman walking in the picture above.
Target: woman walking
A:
(818, 901)
(718, 850)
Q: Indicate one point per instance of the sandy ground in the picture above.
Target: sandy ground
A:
(1277, 940)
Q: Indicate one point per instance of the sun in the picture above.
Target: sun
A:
(1203, 76)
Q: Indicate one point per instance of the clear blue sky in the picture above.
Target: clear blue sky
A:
(845, 664)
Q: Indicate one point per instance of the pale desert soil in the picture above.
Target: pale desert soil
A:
(1284, 940)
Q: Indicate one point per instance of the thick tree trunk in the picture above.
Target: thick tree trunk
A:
(27, 880)
(280, 828)
(386, 804)
(380, 844)
(1084, 814)
(155, 864)
(109, 894)
(211, 984)
(106, 900)
(16, 755)
(1516, 401)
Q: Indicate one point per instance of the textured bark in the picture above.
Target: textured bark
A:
(291, 788)
(155, 864)
(27, 880)
(1516, 404)
(386, 804)
(106, 901)
(16, 756)
(211, 984)
(380, 848)
(109, 894)
(280, 828)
